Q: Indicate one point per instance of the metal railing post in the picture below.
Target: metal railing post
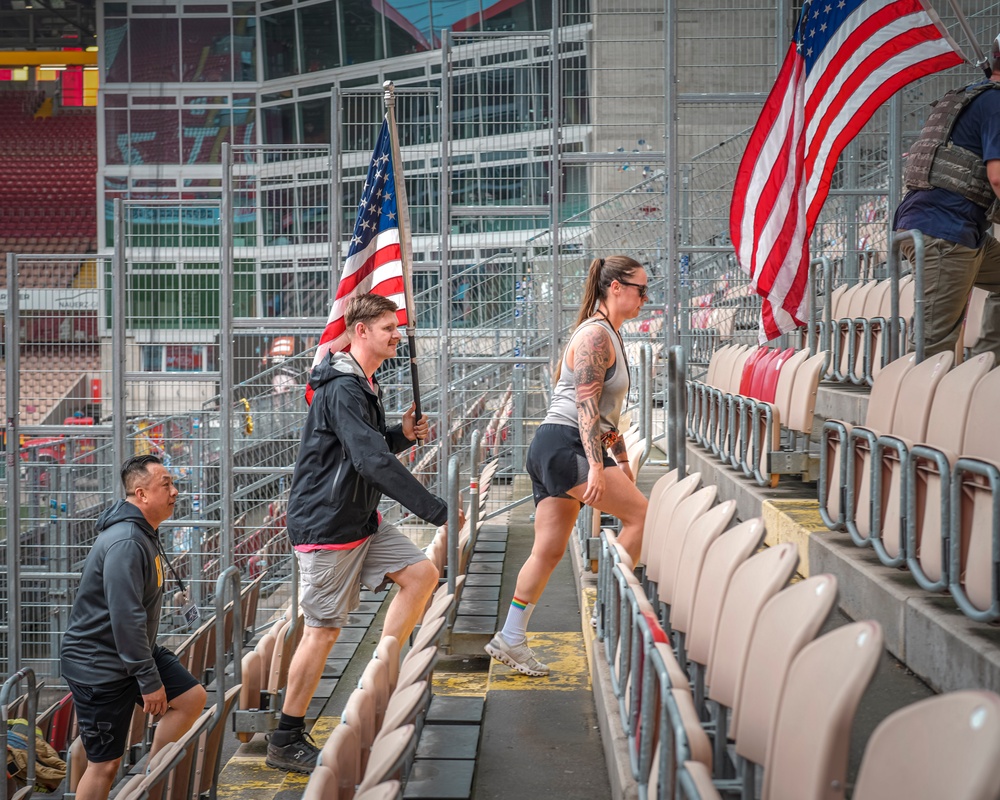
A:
(646, 400)
(119, 326)
(473, 517)
(13, 353)
(226, 366)
(453, 526)
(898, 239)
(677, 411)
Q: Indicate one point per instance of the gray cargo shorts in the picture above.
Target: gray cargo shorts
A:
(330, 580)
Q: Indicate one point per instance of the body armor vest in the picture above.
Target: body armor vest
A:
(935, 161)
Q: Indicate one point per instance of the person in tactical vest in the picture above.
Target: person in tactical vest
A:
(952, 177)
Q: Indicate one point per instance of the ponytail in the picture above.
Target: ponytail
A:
(602, 272)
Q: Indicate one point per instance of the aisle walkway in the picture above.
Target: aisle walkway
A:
(540, 736)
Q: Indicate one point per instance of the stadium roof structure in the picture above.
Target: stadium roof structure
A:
(47, 24)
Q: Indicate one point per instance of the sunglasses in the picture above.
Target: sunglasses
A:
(642, 287)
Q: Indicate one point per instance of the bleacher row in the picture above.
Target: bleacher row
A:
(919, 482)
(48, 174)
(718, 671)
(754, 409)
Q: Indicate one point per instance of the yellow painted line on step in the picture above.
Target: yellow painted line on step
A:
(793, 521)
(247, 777)
(562, 651)
(461, 684)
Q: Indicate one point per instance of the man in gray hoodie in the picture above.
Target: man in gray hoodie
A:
(109, 656)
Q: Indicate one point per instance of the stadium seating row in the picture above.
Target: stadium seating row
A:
(918, 481)
(754, 410)
(718, 671)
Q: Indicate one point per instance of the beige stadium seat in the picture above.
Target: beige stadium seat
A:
(655, 495)
(375, 681)
(359, 714)
(833, 445)
(809, 742)
(928, 519)
(695, 783)
(944, 746)
(909, 426)
(974, 317)
(342, 754)
(250, 689)
(389, 757)
(406, 707)
(673, 542)
(672, 497)
(755, 582)
(849, 331)
(429, 633)
(210, 750)
(387, 651)
(417, 667)
(701, 535)
(322, 785)
(767, 419)
(973, 553)
(787, 622)
(724, 557)
(389, 790)
(866, 353)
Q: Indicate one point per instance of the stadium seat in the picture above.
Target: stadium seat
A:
(833, 444)
(975, 521)
(928, 472)
(701, 535)
(342, 754)
(809, 741)
(881, 504)
(944, 746)
(753, 584)
(788, 621)
(724, 557)
(686, 513)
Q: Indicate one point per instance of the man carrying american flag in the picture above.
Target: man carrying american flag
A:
(347, 461)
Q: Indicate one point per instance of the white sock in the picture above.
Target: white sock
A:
(515, 629)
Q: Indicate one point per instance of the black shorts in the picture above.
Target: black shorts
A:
(556, 461)
(105, 711)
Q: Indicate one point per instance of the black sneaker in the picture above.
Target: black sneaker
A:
(292, 751)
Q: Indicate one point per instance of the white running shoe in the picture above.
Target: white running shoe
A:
(516, 656)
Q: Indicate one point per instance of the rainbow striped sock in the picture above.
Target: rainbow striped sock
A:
(516, 627)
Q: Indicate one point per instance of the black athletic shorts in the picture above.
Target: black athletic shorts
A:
(105, 711)
(556, 461)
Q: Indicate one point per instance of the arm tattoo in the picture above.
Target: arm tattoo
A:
(591, 360)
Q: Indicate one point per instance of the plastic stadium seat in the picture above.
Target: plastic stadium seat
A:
(909, 425)
(974, 519)
(833, 445)
(671, 498)
(722, 560)
(808, 745)
(701, 535)
(375, 681)
(787, 622)
(359, 713)
(927, 519)
(753, 584)
(686, 513)
(944, 746)
(655, 495)
(341, 753)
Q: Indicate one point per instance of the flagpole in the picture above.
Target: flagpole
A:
(982, 62)
(405, 242)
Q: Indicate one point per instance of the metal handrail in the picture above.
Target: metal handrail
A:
(25, 673)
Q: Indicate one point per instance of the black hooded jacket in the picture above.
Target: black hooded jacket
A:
(347, 462)
(112, 628)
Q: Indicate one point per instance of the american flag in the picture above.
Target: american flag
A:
(847, 58)
(374, 262)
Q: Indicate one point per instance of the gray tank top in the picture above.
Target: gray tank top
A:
(562, 409)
